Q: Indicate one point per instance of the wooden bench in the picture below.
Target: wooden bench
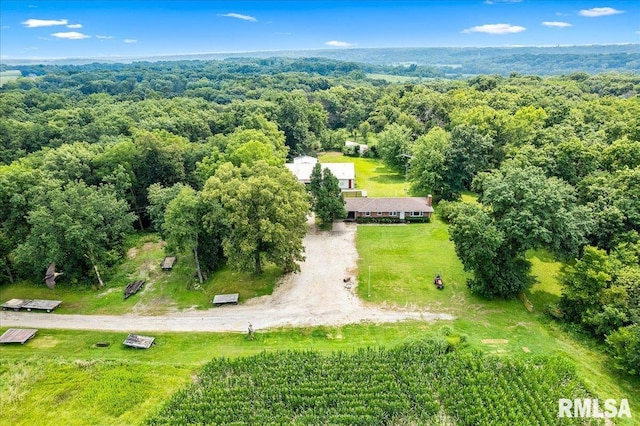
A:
(222, 299)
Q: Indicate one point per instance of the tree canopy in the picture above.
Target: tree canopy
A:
(266, 210)
(520, 209)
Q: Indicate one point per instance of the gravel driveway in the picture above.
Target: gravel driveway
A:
(314, 296)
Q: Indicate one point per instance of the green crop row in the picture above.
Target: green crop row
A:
(417, 383)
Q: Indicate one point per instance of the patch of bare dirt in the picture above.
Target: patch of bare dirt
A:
(495, 341)
(132, 253)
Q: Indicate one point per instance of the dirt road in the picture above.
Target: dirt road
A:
(315, 296)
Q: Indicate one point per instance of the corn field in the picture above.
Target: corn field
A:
(419, 383)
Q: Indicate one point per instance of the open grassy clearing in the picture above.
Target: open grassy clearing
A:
(163, 291)
(6, 76)
(62, 367)
(395, 78)
(378, 179)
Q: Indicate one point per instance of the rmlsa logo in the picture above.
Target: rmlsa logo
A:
(586, 407)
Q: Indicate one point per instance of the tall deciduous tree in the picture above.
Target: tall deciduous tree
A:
(183, 223)
(326, 195)
(394, 145)
(78, 227)
(523, 209)
(428, 165)
(266, 211)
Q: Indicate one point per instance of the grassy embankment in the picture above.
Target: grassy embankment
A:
(64, 369)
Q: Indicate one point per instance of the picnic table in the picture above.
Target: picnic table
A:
(221, 299)
(168, 262)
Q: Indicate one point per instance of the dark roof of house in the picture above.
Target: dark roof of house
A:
(400, 204)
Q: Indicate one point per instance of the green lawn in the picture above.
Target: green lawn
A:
(395, 78)
(378, 179)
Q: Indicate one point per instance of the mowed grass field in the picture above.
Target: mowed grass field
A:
(60, 375)
(378, 179)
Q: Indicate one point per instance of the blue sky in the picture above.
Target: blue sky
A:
(72, 28)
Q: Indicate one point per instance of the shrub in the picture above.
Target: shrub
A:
(624, 346)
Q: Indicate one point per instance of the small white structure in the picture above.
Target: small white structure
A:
(344, 172)
(305, 159)
(361, 148)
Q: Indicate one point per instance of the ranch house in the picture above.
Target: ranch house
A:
(406, 209)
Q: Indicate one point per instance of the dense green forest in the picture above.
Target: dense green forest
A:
(195, 150)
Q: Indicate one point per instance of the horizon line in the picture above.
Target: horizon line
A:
(160, 55)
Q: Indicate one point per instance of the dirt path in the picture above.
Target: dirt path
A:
(315, 296)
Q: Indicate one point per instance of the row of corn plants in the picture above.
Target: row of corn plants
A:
(411, 384)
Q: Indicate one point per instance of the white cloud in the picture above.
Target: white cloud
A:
(336, 43)
(130, 41)
(556, 24)
(239, 16)
(599, 11)
(501, 1)
(103, 37)
(495, 29)
(70, 35)
(34, 23)
(74, 26)
(5, 27)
